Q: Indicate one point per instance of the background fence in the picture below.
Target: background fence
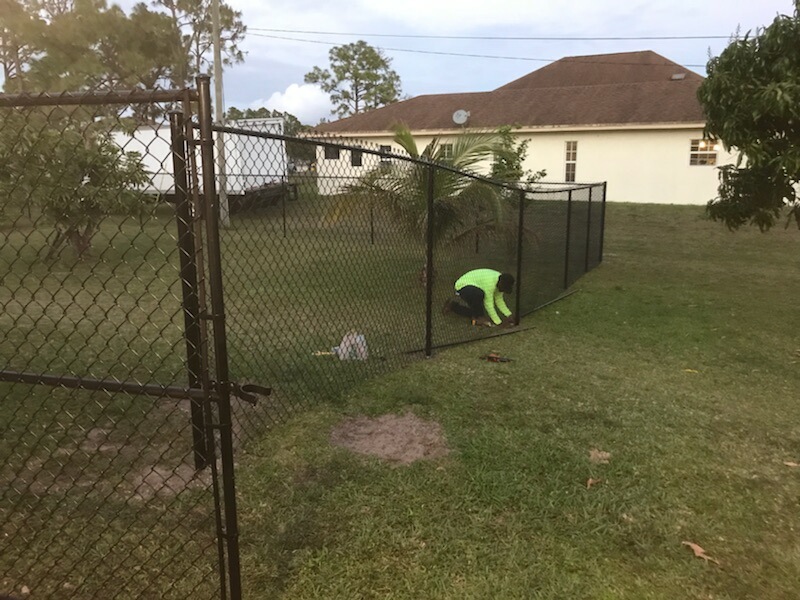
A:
(123, 379)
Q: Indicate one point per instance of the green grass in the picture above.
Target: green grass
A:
(678, 356)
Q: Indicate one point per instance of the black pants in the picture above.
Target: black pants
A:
(473, 297)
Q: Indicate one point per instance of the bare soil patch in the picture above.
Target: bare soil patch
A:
(398, 439)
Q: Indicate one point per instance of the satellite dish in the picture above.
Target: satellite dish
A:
(460, 117)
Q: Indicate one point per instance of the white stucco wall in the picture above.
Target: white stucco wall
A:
(640, 164)
(646, 166)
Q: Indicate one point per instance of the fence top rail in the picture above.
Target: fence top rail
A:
(528, 188)
(96, 98)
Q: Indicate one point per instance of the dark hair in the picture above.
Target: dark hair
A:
(505, 283)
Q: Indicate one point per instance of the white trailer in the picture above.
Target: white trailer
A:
(251, 162)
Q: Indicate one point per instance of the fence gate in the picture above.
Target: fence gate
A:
(116, 457)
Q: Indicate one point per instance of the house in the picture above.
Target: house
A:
(631, 119)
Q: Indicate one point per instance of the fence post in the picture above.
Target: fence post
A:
(588, 230)
(429, 267)
(371, 223)
(603, 219)
(569, 234)
(520, 234)
(217, 317)
(189, 287)
(283, 212)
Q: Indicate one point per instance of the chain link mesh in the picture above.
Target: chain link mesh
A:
(325, 257)
(99, 496)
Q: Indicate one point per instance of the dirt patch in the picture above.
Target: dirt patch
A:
(398, 439)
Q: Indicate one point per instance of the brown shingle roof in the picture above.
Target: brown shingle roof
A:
(603, 69)
(609, 89)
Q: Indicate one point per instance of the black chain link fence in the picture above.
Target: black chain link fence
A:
(117, 427)
(99, 495)
(325, 258)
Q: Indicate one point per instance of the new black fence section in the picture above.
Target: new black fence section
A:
(340, 255)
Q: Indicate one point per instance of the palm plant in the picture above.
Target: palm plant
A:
(462, 205)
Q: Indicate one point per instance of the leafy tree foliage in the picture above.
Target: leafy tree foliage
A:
(752, 104)
(507, 163)
(462, 205)
(74, 176)
(76, 45)
(191, 24)
(62, 162)
(359, 79)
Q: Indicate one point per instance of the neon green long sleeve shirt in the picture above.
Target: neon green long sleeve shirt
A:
(486, 280)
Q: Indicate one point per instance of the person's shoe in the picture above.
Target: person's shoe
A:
(482, 322)
(447, 307)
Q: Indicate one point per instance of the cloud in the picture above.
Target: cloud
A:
(305, 101)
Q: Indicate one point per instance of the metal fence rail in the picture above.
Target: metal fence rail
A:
(143, 340)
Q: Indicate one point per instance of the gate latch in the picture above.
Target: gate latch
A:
(249, 392)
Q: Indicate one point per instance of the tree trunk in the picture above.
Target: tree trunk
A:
(56, 245)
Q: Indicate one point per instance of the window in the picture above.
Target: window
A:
(385, 150)
(571, 161)
(356, 157)
(703, 152)
(331, 153)
(447, 151)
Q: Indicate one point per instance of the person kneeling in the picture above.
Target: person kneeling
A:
(479, 292)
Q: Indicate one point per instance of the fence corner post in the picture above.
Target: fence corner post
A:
(603, 219)
(588, 230)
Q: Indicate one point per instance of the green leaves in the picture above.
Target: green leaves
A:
(752, 103)
(359, 79)
(753, 195)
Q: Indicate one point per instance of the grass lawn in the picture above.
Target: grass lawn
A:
(110, 474)
(678, 356)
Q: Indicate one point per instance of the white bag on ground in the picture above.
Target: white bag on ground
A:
(352, 347)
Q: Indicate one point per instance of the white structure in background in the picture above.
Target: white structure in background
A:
(631, 119)
(252, 162)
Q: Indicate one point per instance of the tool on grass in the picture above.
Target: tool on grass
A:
(495, 357)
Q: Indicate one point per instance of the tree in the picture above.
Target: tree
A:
(57, 45)
(462, 205)
(74, 174)
(751, 99)
(359, 79)
(507, 163)
(192, 25)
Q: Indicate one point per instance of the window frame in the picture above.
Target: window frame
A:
(570, 161)
(384, 150)
(356, 157)
(703, 152)
(332, 153)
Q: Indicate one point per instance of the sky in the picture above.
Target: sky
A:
(273, 71)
